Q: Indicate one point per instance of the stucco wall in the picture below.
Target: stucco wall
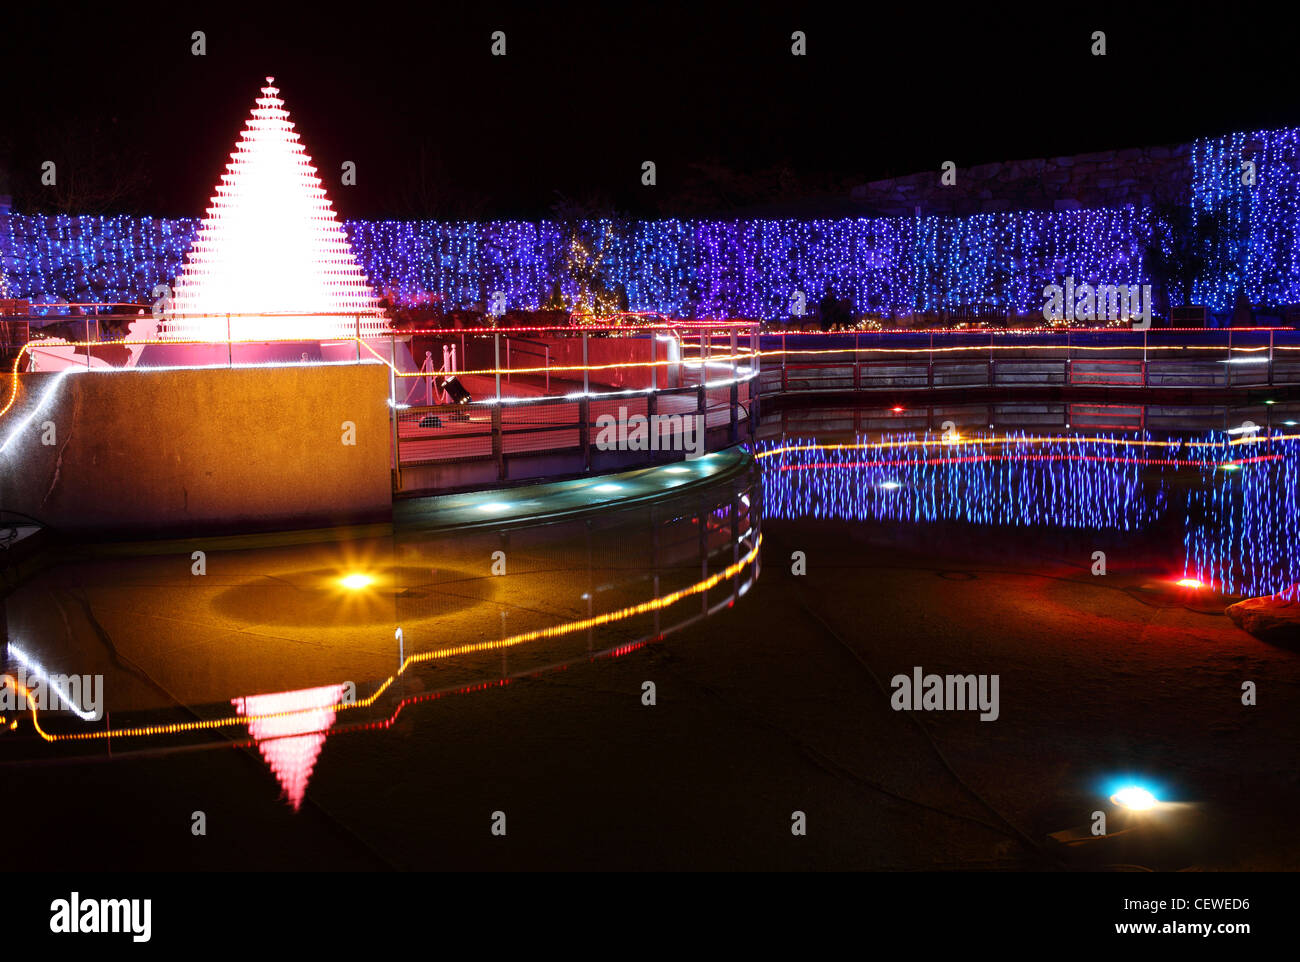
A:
(202, 451)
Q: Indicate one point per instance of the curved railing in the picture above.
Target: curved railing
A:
(906, 361)
(469, 407)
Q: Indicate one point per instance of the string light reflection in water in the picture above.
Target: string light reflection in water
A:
(1074, 483)
(1241, 528)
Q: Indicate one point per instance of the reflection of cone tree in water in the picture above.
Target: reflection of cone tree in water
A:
(271, 243)
(291, 743)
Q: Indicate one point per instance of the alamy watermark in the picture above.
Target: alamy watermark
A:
(75, 915)
(1105, 302)
(656, 432)
(30, 687)
(921, 692)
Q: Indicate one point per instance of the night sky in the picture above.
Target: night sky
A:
(582, 98)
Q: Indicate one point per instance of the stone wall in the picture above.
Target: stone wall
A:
(1139, 176)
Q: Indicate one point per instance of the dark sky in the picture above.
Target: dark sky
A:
(584, 96)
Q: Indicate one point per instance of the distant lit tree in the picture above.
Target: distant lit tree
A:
(589, 228)
(1188, 244)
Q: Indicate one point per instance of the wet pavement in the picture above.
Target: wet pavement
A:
(769, 613)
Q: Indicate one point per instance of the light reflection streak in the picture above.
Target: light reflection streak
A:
(503, 644)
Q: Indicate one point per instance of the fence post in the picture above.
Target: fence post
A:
(702, 408)
(496, 361)
(392, 410)
(1270, 358)
(733, 434)
(586, 375)
(359, 339)
(87, 342)
(651, 412)
(584, 431)
(507, 358)
(230, 344)
(1228, 382)
(785, 372)
(857, 365)
(498, 442)
(1146, 379)
(654, 370)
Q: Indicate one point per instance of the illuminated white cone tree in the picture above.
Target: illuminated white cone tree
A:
(271, 244)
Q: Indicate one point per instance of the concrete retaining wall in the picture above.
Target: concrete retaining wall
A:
(201, 451)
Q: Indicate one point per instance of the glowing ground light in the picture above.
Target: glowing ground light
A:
(898, 409)
(1188, 583)
(355, 582)
(891, 485)
(1135, 799)
(493, 507)
(608, 488)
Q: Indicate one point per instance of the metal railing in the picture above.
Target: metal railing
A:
(529, 348)
(515, 428)
(449, 446)
(1001, 415)
(13, 335)
(507, 426)
(852, 363)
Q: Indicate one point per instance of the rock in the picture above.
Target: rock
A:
(1268, 618)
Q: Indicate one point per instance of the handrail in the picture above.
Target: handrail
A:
(546, 355)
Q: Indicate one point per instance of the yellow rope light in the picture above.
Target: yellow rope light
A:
(538, 634)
